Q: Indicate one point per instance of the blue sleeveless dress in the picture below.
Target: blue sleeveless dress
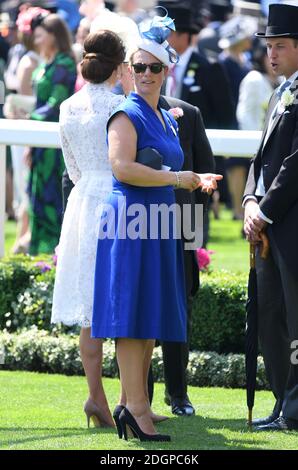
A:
(139, 281)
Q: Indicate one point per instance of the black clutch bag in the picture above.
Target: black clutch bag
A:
(149, 157)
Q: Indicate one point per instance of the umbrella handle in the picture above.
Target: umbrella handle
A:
(265, 245)
(252, 255)
(263, 252)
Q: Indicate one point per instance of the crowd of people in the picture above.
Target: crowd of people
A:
(133, 91)
(217, 51)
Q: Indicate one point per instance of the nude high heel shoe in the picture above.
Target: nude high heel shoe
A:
(94, 412)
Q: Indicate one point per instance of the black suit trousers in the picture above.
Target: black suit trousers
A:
(175, 355)
(278, 326)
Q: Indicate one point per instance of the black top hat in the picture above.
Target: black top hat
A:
(183, 16)
(282, 22)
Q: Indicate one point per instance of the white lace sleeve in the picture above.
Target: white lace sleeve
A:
(69, 158)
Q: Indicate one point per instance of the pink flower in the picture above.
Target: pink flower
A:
(25, 17)
(176, 112)
(203, 258)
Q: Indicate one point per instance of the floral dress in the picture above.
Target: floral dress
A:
(53, 83)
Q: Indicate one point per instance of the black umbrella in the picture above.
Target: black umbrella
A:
(251, 333)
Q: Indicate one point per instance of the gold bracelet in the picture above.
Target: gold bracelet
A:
(178, 178)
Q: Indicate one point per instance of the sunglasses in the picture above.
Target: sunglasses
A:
(155, 67)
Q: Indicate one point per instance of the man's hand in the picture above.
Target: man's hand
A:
(253, 224)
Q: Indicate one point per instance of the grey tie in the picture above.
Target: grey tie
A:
(282, 88)
(279, 93)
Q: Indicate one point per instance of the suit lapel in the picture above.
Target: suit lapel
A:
(272, 104)
(276, 119)
(274, 124)
(184, 93)
(163, 103)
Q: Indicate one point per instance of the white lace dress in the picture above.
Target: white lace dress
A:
(83, 120)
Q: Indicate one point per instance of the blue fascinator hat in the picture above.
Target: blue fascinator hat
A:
(153, 39)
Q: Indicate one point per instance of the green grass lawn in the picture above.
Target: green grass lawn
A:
(231, 249)
(40, 411)
(10, 235)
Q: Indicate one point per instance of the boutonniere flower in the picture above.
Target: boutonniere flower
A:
(190, 73)
(287, 98)
(176, 113)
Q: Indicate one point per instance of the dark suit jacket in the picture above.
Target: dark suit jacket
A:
(279, 160)
(206, 86)
(198, 157)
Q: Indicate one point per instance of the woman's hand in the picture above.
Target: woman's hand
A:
(192, 181)
(208, 182)
(189, 180)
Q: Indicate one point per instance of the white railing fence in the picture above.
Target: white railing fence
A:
(45, 134)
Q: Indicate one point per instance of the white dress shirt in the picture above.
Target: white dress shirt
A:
(178, 71)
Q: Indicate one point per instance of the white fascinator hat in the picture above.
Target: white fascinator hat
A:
(153, 39)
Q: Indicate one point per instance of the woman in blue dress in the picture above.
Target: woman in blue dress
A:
(139, 281)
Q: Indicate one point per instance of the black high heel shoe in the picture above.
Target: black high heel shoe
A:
(127, 421)
(116, 413)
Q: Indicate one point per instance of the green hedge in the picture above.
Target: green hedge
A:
(15, 276)
(218, 316)
(41, 351)
(26, 291)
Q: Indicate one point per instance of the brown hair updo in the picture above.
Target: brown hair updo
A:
(104, 52)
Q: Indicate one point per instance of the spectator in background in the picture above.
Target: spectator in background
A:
(54, 81)
(130, 8)
(68, 10)
(198, 82)
(27, 64)
(93, 8)
(219, 11)
(235, 41)
(4, 48)
(255, 91)
(121, 24)
(8, 62)
(81, 34)
(78, 49)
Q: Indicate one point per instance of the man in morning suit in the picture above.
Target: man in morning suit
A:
(198, 158)
(194, 79)
(271, 205)
(204, 90)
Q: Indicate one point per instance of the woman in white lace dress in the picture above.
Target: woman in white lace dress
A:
(83, 119)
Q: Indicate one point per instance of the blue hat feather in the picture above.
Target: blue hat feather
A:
(158, 31)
